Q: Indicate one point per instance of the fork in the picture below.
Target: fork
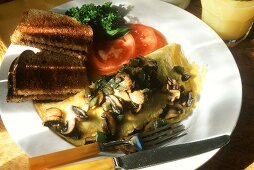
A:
(141, 141)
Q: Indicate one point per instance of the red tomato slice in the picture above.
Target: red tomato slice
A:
(161, 41)
(145, 39)
(107, 57)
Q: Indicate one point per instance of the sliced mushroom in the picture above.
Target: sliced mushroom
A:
(85, 107)
(136, 107)
(52, 121)
(100, 97)
(53, 117)
(137, 97)
(172, 84)
(115, 104)
(122, 94)
(69, 126)
(126, 83)
(174, 95)
(186, 99)
(116, 101)
(110, 123)
(53, 111)
(80, 113)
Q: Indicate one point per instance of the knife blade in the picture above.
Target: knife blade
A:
(154, 156)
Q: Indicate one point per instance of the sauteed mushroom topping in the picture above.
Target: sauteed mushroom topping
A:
(126, 89)
(54, 118)
(110, 124)
(68, 127)
(126, 92)
(80, 113)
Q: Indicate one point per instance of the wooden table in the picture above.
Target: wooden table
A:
(238, 154)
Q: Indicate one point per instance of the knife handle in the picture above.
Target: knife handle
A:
(63, 157)
(100, 164)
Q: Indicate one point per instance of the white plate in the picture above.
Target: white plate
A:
(220, 100)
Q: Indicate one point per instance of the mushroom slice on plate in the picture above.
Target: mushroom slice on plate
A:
(53, 117)
(109, 123)
(115, 104)
(137, 97)
(174, 95)
(126, 83)
(122, 95)
(80, 113)
(69, 126)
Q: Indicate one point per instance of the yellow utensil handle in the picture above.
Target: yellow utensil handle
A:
(63, 157)
(100, 164)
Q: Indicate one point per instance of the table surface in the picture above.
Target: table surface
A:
(238, 154)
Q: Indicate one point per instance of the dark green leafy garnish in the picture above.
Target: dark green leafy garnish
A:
(106, 20)
(101, 137)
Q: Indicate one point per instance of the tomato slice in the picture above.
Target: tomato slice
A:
(161, 41)
(145, 39)
(108, 56)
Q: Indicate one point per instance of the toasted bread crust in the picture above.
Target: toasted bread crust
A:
(79, 54)
(66, 42)
(11, 97)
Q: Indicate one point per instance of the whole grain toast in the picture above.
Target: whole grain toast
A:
(45, 75)
(53, 31)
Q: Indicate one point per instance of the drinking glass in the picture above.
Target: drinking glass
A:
(231, 19)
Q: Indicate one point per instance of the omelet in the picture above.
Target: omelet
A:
(90, 123)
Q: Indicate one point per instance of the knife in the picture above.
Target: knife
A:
(154, 156)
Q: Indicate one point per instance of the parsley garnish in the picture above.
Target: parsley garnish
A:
(106, 20)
